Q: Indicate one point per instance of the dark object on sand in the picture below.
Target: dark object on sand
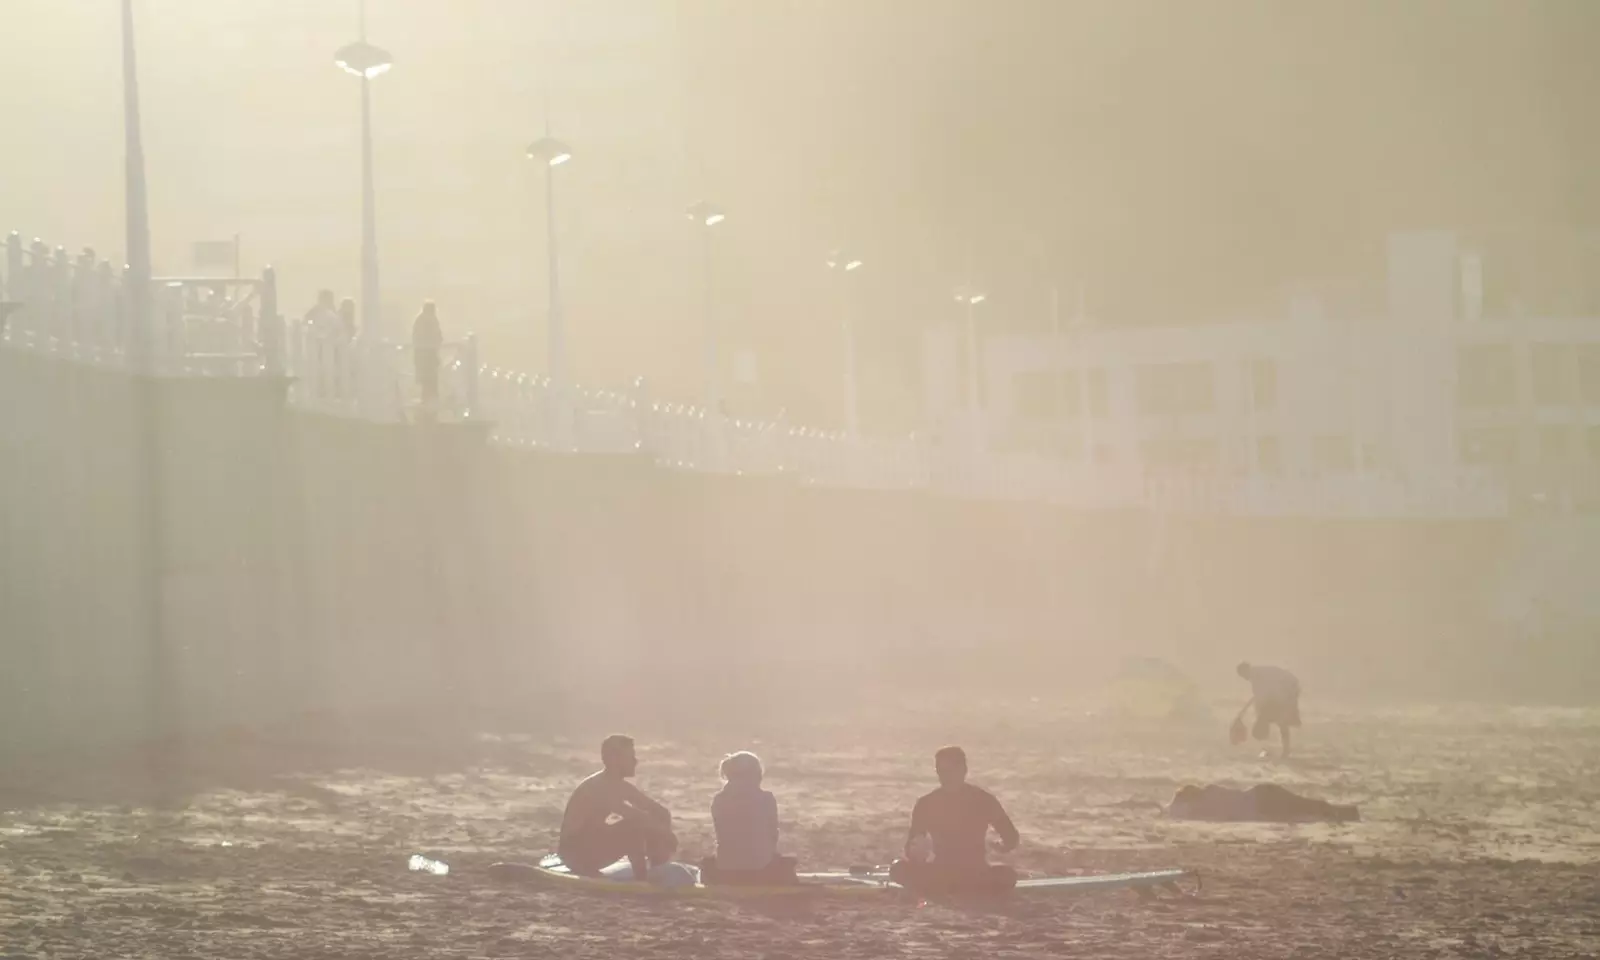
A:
(1262, 803)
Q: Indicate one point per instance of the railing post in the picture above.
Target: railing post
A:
(639, 396)
(469, 376)
(85, 323)
(37, 292)
(270, 325)
(13, 280)
(11, 284)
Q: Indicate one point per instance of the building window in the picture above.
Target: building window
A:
(1486, 376)
(1554, 445)
(1071, 399)
(1038, 394)
(1097, 393)
(1269, 455)
(1373, 456)
(1489, 446)
(1263, 385)
(1589, 373)
(1169, 389)
(1179, 452)
(1333, 453)
(1547, 369)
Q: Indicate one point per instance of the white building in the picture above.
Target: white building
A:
(1431, 408)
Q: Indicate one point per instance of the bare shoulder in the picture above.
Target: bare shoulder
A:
(595, 787)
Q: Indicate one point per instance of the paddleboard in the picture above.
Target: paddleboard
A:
(678, 879)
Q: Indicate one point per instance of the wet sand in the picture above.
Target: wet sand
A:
(1481, 837)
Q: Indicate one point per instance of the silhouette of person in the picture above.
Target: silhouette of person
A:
(956, 817)
(427, 343)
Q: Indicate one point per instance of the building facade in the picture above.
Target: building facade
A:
(1428, 406)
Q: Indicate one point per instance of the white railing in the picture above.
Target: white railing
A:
(72, 307)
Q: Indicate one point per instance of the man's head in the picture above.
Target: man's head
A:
(951, 765)
(325, 299)
(1243, 670)
(616, 755)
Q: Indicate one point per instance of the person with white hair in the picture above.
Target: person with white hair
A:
(745, 817)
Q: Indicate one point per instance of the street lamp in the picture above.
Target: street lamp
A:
(707, 215)
(971, 296)
(366, 61)
(552, 153)
(843, 264)
(136, 209)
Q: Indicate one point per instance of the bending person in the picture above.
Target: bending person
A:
(745, 818)
(1275, 693)
(642, 831)
(956, 818)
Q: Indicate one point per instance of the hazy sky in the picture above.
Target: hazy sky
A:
(1187, 159)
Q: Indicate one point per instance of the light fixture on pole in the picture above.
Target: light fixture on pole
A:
(843, 264)
(707, 215)
(552, 153)
(366, 61)
(970, 297)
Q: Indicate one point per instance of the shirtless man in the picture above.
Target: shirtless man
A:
(1275, 693)
(642, 831)
(956, 817)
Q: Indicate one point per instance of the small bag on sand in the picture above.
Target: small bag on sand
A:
(1237, 733)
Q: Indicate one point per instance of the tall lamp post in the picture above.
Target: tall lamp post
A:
(367, 62)
(970, 296)
(842, 265)
(706, 215)
(136, 204)
(552, 153)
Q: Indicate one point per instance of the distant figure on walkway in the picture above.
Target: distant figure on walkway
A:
(1275, 693)
(642, 833)
(323, 317)
(322, 325)
(347, 318)
(427, 343)
(1262, 803)
(956, 817)
(745, 817)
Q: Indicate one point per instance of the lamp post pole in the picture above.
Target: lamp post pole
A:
(367, 62)
(553, 153)
(842, 265)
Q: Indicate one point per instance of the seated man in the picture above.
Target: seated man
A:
(746, 821)
(956, 817)
(1262, 803)
(642, 831)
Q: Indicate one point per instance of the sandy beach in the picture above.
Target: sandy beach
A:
(1481, 837)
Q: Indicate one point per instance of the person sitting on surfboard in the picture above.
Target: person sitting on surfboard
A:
(745, 818)
(1262, 803)
(642, 831)
(1275, 693)
(956, 817)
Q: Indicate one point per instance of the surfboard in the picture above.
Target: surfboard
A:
(1105, 881)
(683, 880)
(678, 880)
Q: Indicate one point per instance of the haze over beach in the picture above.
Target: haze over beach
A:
(1189, 410)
